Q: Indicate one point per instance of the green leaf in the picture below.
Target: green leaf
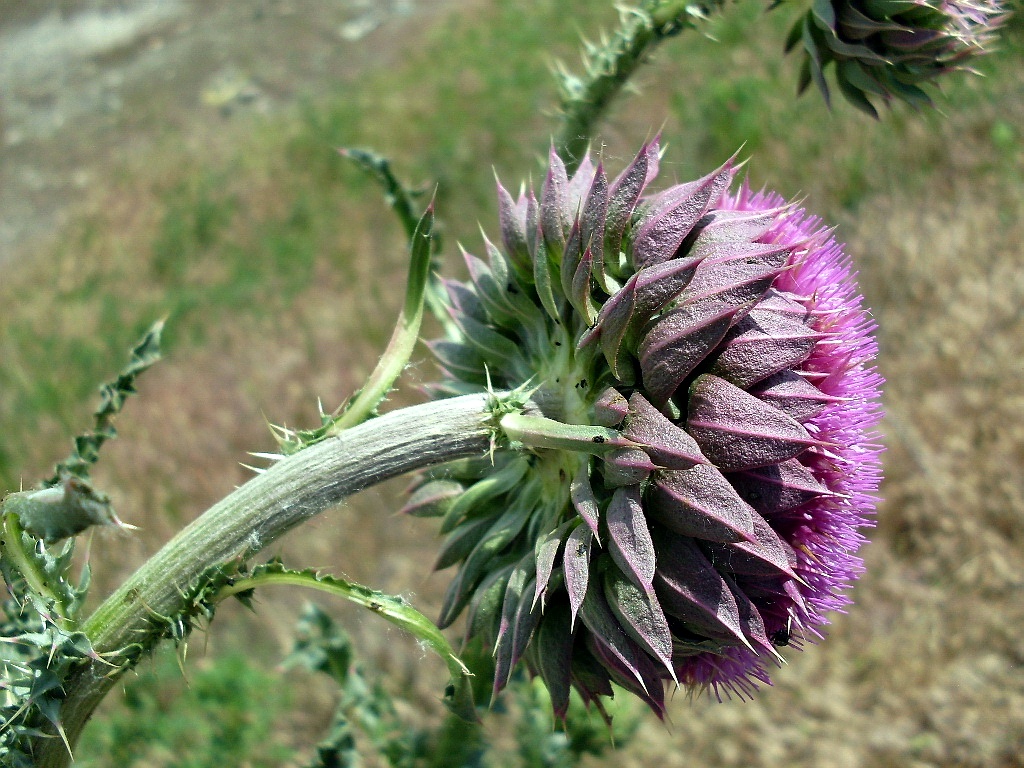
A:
(404, 337)
(64, 510)
(400, 199)
(391, 608)
(113, 395)
(44, 575)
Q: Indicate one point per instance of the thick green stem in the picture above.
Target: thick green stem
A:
(289, 493)
(610, 66)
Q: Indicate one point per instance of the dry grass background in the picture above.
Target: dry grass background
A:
(927, 669)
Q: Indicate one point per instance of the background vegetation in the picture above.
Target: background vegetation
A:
(281, 270)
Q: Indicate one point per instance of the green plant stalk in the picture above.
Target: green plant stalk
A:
(611, 65)
(287, 494)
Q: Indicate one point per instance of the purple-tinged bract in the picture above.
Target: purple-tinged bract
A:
(708, 364)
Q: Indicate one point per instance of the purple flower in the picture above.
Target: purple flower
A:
(886, 49)
(691, 494)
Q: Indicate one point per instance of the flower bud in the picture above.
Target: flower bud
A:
(888, 49)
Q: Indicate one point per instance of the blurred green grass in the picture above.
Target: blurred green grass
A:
(281, 269)
(222, 714)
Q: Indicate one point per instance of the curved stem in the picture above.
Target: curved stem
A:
(289, 493)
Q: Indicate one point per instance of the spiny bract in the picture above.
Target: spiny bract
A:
(715, 345)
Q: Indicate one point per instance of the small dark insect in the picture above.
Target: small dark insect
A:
(449, 691)
(375, 606)
(598, 438)
(558, 343)
(781, 636)
(583, 383)
(581, 549)
(512, 289)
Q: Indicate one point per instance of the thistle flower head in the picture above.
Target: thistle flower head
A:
(688, 495)
(888, 49)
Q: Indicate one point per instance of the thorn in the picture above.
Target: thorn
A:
(268, 456)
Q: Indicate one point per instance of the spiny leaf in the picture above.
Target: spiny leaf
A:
(553, 203)
(576, 566)
(432, 498)
(461, 542)
(729, 226)
(393, 609)
(610, 408)
(623, 196)
(545, 553)
(689, 588)
(551, 652)
(622, 318)
(483, 613)
(794, 395)
(583, 499)
(667, 445)
(766, 555)
(678, 342)
(761, 344)
(641, 616)
(739, 274)
(778, 487)
(737, 431)
(594, 220)
(519, 589)
(113, 395)
(629, 539)
(505, 528)
(664, 227)
(479, 493)
(700, 502)
(605, 629)
(512, 217)
(545, 279)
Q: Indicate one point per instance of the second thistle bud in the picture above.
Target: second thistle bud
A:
(889, 49)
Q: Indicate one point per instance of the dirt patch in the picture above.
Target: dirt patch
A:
(88, 85)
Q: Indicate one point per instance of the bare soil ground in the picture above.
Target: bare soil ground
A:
(86, 85)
